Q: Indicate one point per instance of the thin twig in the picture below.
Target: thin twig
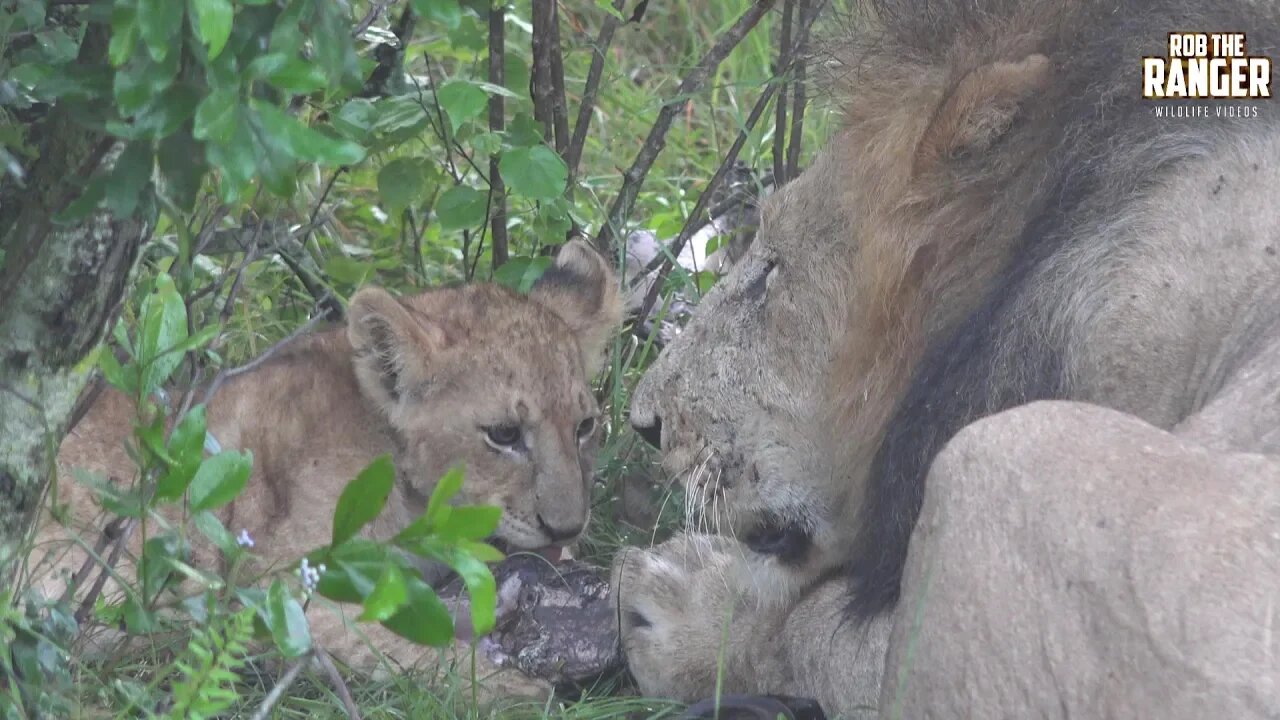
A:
(86, 605)
(540, 79)
(497, 121)
(231, 373)
(339, 685)
(282, 686)
(780, 107)
(375, 11)
(798, 97)
(657, 139)
(559, 112)
(694, 220)
(112, 532)
(592, 87)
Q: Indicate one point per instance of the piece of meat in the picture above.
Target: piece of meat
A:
(554, 621)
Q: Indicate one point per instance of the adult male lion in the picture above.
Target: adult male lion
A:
(1002, 219)
(475, 374)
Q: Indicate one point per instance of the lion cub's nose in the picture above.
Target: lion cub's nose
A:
(559, 534)
(650, 428)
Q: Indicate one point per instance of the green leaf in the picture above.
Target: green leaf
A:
(89, 199)
(524, 131)
(286, 621)
(444, 491)
(347, 270)
(607, 6)
(330, 36)
(141, 81)
(277, 165)
(212, 528)
(182, 168)
(115, 373)
(124, 33)
(168, 112)
(216, 116)
(537, 173)
(129, 177)
(483, 552)
(445, 12)
(137, 619)
(362, 499)
(387, 597)
(237, 160)
(469, 522)
(220, 479)
(160, 22)
(164, 325)
(355, 119)
(303, 142)
(480, 587)
(401, 183)
(352, 569)
(213, 23)
(289, 73)
(461, 207)
(462, 101)
(423, 619)
(186, 448)
(157, 554)
(520, 273)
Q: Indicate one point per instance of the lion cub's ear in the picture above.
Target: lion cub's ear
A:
(980, 109)
(391, 345)
(582, 289)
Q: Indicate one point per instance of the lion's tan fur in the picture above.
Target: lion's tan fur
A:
(776, 401)
(418, 378)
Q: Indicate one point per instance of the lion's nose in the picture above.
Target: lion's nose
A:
(559, 534)
(650, 428)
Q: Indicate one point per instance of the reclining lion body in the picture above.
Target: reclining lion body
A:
(425, 379)
(1002, 219)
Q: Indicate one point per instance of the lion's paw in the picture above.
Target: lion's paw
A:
(675, 601)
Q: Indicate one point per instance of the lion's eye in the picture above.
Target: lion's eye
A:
(760, 285)
(503, 435)
(586, 427)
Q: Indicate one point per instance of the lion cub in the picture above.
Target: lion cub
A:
(475, 374)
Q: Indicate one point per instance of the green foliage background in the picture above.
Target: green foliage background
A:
(278, 176)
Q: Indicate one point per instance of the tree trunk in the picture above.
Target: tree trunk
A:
(60, 288)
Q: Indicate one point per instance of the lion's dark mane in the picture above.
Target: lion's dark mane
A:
(1102, 147)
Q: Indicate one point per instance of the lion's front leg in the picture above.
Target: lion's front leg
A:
(685, 621)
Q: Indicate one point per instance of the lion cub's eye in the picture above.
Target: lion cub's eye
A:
(503, 435)
(586, 427)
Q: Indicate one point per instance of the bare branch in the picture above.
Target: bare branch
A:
(559, 111)
(780, 107)
(257, 362)
(694, 220)
(282, 686)
(798, 94)
(497, 121)
(694, 82)
(91, 598)
(339, 686)
(573, 156)
(375, 11)
(543, 17)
